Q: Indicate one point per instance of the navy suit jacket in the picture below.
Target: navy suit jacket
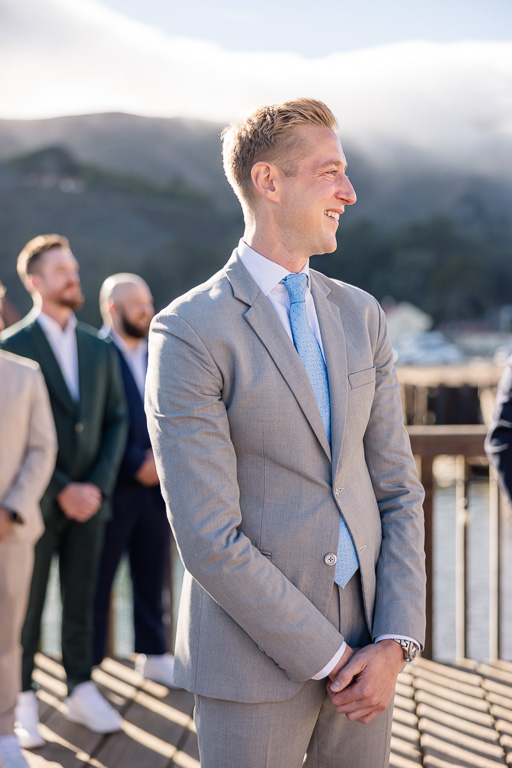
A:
(498, 444)
(137, 444)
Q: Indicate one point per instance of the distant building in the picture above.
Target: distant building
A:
(405, 319)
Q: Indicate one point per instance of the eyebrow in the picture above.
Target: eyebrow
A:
(337, 163)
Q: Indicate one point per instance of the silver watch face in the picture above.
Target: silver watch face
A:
(410, 651)
(409, 648)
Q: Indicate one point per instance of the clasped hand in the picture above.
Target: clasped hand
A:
(80, 501)
(362, 684)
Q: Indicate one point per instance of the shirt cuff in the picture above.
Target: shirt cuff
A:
(325, 671)
(398, 637)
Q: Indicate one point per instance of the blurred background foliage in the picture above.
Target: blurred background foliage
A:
(149, 196)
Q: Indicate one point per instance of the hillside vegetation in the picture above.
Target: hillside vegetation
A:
(149, 196)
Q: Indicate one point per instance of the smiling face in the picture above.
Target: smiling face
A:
(312, 200)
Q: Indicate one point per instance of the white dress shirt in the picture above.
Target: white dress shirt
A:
(63, 344)
(268, 275)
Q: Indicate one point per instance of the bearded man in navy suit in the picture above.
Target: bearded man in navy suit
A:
(139, 524)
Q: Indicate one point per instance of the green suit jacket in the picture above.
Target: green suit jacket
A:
(91, 433)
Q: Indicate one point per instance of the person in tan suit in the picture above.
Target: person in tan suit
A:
(275, 417)
(28, 448)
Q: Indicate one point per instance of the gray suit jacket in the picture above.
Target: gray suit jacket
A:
(254, 493)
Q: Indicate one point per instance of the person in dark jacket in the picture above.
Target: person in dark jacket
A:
(498, 443)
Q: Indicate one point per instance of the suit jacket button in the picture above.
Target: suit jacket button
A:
(79, 427)
(330, 559)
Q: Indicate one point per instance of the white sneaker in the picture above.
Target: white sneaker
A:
(26, 725)
(159, 668)
(87, 706)
(11, 755)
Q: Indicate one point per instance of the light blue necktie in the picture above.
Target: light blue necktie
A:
(311, 355)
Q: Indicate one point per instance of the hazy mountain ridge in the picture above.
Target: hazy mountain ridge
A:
(156, 149)
(149, 195)
(394, 182)
(115, 222)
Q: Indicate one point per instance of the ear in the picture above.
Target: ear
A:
(31, 282)
(265, 179)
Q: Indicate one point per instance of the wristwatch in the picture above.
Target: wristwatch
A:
(15, 517)
(409, 648)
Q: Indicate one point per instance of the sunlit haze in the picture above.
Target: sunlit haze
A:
(448, 93)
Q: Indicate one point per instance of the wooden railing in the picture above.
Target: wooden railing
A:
(464, 442)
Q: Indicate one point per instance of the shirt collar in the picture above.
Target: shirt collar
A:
(267, 274)
(138, 351)
(49, 325)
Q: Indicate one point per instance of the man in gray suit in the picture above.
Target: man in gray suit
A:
(275, 416)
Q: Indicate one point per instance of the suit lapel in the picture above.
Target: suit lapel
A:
(264, 321)
(132, 390)
(87, 367)
(335, 349)
(51, 369)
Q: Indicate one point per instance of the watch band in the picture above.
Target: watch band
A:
(409, 648)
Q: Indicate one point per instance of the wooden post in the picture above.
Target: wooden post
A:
(461, 536)
(427, 442)
(494, 566)
(427, 479)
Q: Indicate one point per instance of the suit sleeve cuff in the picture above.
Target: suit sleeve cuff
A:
(398, 637)
(325, 671)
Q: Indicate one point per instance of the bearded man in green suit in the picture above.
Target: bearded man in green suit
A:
(83, 379)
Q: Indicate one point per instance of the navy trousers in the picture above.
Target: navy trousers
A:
(139, 528)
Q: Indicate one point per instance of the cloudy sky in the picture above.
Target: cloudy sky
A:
(436, 73)
(313, 31)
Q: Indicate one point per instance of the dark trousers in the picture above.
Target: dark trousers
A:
(140, 528)
(78, 546)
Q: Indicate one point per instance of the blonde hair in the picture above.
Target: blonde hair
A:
(34, 249)
(268, 134)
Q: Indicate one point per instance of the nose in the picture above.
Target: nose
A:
(346, 191)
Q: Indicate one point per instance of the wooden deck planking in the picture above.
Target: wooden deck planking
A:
(445, 716)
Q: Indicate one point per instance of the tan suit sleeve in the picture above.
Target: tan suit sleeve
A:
(41, 449)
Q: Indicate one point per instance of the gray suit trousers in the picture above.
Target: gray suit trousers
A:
(280, 734)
